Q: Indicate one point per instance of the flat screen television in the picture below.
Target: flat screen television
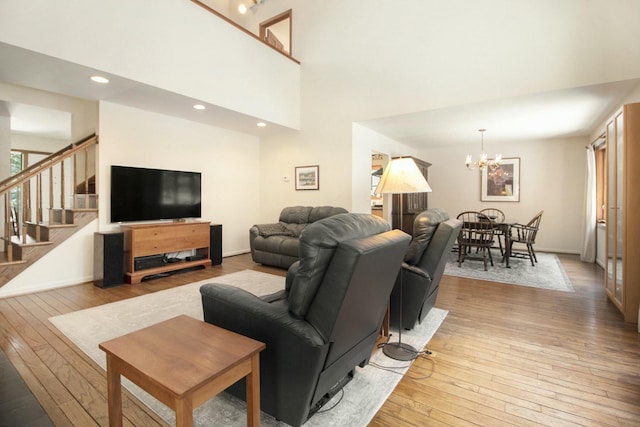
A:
(140, 194)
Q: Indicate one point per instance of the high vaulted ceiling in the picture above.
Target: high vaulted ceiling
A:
(566, 113)
(559, 114)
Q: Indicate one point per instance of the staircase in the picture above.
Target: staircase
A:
(46, 203)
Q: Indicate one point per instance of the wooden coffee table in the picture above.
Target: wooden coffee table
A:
(183, 362)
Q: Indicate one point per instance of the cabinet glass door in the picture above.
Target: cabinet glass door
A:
(619, 229)
(611, 210)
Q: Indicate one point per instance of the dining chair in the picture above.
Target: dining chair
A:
(477, 232)
(497, 216)
(526, 234)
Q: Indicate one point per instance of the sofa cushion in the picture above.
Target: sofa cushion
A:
(318, 243)
(295, 214)
(283, 245)
(322, 212)
(424, 226)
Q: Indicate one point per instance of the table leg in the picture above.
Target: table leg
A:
(253, 392)
(114, 393)
(184, 413)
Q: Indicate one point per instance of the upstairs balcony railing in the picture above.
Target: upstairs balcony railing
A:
(40, 194)
(281, 21)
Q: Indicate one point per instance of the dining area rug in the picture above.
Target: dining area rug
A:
(548, 272)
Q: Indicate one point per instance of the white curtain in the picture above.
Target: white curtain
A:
(588, 253)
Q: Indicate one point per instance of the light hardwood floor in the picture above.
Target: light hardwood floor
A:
(505, 355)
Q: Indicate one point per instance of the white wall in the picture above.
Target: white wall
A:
(358, 62)
(552, 177)
(632, 97)
(21, 141)
(70, 263)
(361, 62)
(83, 114)
(281, 154)
(228, 161)
(173, 45)
(365, 143)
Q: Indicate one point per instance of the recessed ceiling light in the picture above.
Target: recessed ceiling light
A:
(199, 107)
(242, 8)
(99, 79)
(261, 124)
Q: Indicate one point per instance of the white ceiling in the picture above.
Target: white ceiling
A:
(38, 121)
(560, 114)
(25, 68)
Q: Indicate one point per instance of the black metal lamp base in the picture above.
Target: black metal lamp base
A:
(400, 351)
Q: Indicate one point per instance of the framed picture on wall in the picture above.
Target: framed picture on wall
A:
(501, 184)
(308, 177)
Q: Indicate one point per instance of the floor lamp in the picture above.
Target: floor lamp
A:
(401, 176)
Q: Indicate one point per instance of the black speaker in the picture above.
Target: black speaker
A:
(108, 259)
(215, 244)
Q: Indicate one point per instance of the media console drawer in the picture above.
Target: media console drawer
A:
(162, 238)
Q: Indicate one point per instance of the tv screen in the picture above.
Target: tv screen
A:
(139, 194)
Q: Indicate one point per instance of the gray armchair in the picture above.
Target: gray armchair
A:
(433, 237)
(325, 322)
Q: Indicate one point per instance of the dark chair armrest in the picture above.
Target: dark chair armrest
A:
(240, 311)
(522, 232)
(291, 274)
(276, 296)
(414, 270)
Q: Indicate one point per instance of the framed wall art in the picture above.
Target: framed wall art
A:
(308, 177)
(501, 184)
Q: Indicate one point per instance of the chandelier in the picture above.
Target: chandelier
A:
(482, 162)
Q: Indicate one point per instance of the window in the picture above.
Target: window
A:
(16, 165)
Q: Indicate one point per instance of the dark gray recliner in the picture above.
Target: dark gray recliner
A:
(434, 234)
(326, 321)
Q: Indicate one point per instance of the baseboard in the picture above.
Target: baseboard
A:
(42, 287)
(556, 251)
(239, 252)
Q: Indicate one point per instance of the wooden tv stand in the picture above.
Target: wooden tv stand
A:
(141, 240)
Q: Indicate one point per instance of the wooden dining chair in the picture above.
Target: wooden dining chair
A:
(496, 215)
(477, 232)
(526, 234)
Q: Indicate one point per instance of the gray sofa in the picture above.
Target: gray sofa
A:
(276, 244)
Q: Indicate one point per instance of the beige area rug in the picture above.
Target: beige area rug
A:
(362, 397)
(548, 272)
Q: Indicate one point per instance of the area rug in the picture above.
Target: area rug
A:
(548, 273)
(362, 397)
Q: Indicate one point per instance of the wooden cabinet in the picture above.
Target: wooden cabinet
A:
(412, 203)
(622, 245)
(154, 241)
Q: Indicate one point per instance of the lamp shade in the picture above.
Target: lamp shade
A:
(402, 176)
